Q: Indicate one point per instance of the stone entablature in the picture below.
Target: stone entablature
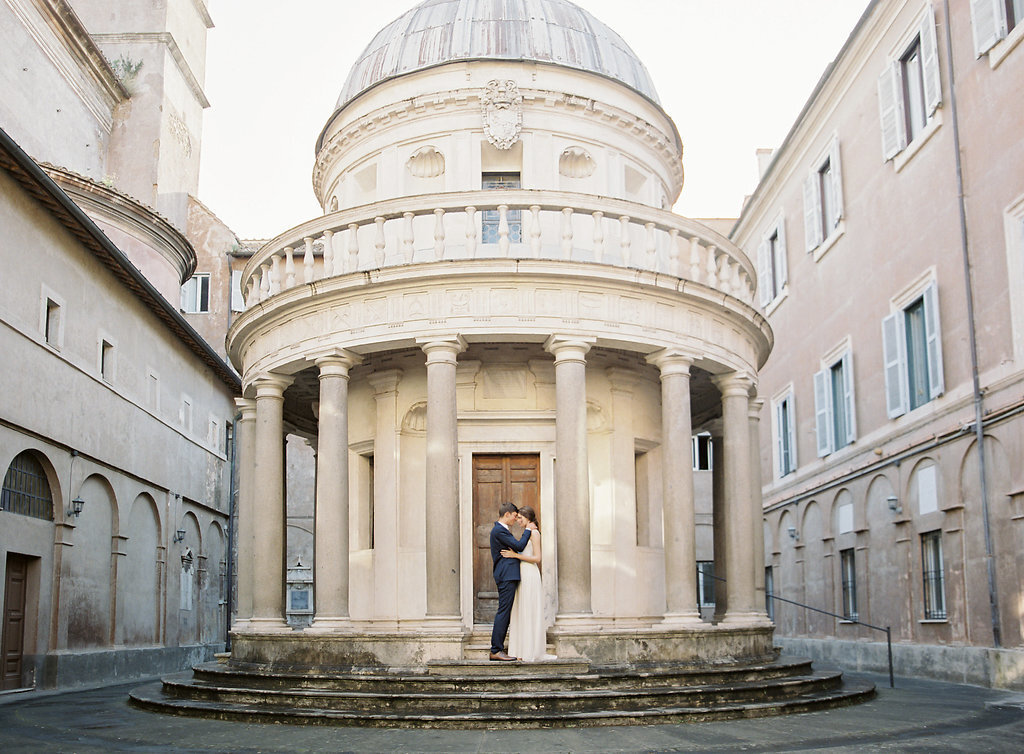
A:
(502, 299)
(555, 225)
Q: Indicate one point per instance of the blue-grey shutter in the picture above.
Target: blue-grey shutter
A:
(780, 439)
(894, 361)
(988, 20)
(837, 184)
(780, 230)
(890, 108)
(848, 404)
(791, 424)
(764, 272)
(823, 423)
(930, 63)
(812, 212)
(933, 340)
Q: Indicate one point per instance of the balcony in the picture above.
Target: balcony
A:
(517, 225)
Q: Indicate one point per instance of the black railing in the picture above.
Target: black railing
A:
(887, 629)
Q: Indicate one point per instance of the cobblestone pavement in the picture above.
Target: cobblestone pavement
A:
(916, 716)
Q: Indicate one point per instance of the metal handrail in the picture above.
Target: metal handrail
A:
(887, 629)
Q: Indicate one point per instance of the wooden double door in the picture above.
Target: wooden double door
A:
(497, 479)
(14, 621)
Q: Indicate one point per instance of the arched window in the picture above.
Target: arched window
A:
(26, 489)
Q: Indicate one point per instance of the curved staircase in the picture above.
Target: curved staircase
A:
(483, 694)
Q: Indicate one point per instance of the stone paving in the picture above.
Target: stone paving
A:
(916, 716)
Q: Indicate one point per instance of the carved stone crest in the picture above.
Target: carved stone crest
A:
(502, 106)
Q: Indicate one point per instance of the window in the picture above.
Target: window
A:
(702, 459)
(769, 590)
(912, 351)
(107, 362)
(785, 436)
(186, 413)
(848, 565)
(934, 579)
(645, 535)
(771, 263)
(706, 583)
(992, 20)
(492, 218)
(153, 390)
(910, 90)
(26, 490)
(833, 405)
(195, 295)
(823, 198)
(53, 322)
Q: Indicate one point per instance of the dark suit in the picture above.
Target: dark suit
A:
(506, 576)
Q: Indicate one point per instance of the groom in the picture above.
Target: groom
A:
(506, 575)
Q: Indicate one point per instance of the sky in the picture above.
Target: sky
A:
(732, 74)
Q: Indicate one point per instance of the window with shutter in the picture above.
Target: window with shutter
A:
(823, 412)
(823, 198)
(989, 24)
(833, 405)
(912, 353)
(812, 212)
(785, 436)
(894, 364)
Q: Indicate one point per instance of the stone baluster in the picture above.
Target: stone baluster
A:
(535, 247)
(438, 234)
(379, 242)
(353, 247)
(250, 289)
(289, 267)
(695, 249)
(308, 261)
(724, 271)
(407, 237)
(503, 230)
(264, 281)
(470, 232)
(328, 241)
(651, 247)
(624, 240)
(275, 274)
(599, 236)
(711, 266)
(674, 253)
(567, 233)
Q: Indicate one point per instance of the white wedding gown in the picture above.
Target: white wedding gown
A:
(527, 631)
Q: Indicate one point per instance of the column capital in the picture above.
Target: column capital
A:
(335, 362)
(754, 409)
(569, 347)
(385, 382)
(734, 384)
(270, 385)
(247, 408)
(672, 361)
(442, 348)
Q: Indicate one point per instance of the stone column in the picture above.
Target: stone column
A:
(677, 487)
(572, 483)
(385, 493)
(757, 503)
(245, 447)
(718, 520)
(268, 610)
(735, 389)
(442, 484)
(330, 517)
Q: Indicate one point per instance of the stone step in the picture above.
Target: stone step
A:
(152, 697)
(487, 667)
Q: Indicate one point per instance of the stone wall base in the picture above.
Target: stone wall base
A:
(979, 666)
(73, 668)
(701, 645)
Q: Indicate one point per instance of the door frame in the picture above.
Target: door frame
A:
(543, 446)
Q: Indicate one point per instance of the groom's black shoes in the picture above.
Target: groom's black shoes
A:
(501, 656)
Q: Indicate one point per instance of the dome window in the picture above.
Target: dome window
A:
(426, 162)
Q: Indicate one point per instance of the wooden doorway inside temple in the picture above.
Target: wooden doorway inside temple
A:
(496, 479)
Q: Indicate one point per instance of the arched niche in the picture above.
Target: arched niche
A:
(138, 576)
(85, 584)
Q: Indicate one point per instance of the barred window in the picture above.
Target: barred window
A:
(934, 577)
(848, 564)
(26, 489)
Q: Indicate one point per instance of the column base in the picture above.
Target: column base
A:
(686, 618)
(746, 619)
(268, 626)
(443, 623)
(574, 621)
(330, 624)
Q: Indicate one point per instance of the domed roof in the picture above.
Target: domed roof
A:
(546, 31)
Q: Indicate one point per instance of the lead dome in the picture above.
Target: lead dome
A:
(545, 31)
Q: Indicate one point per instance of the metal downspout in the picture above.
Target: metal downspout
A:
(979, 411)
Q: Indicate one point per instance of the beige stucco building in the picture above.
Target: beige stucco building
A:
(496, 304)
(115, 417)
(888, 228)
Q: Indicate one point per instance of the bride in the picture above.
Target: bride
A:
(527, 634)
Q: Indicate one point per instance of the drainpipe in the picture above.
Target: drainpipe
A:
(979, 409)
